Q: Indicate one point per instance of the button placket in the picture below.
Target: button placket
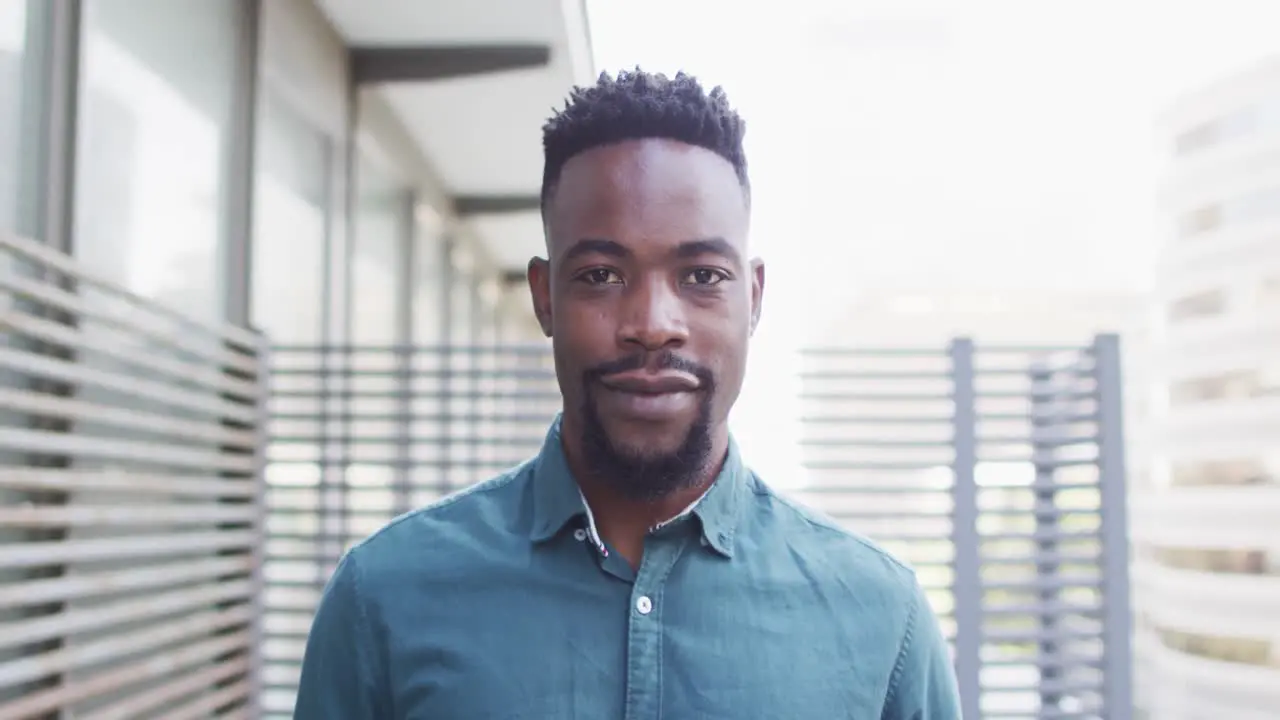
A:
(644, 633)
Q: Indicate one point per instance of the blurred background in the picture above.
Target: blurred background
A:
(262, 289)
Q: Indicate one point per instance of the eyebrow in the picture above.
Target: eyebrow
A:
(685, 250)
(709, 246)
(596, 246)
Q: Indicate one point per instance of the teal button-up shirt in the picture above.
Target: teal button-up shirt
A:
(499, 603)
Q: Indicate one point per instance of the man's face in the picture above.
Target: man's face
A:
(650, 301)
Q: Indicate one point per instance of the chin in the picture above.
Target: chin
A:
(645, 452)
(644, 441)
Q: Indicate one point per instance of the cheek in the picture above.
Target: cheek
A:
(723, 350)
(583, 339)
(586, 317)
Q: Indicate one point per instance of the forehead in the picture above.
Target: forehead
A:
(651, 189)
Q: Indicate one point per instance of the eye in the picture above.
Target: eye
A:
(705, 277)
(600, 276)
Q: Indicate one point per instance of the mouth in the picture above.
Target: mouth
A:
(648, 383)
(651, 396)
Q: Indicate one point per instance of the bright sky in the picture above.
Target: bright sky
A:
(974, 143)
(1004, 142)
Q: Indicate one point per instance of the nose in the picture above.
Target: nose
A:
(653, 317)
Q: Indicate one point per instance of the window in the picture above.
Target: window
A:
(291, 209)
(1235, 562)
(156, 101)
(383, 207)
(1245, 651)
(1237, 385)
(22, 27)
(428, 276)
(1203, 304)
(1253, 207)
(378, 315)
(1200, 220)
(1224, 472)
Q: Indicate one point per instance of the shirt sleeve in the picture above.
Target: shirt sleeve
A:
(923, 684)
(340, 671)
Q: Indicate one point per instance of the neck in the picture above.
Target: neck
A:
(623, 521)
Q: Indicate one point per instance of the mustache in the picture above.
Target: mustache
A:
(664, 360)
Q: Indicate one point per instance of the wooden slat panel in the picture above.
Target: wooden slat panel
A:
(115, 481)
(141, 704)
(142, 452)
(59, 334)
(197, 626)
(53, 406)
(89, 585)
(122, 677)
(117, 516)
(69, 267)
(234, 694)
(78, 374)
(58, 299)
(67, 622)
(35, 554)
(130, 549)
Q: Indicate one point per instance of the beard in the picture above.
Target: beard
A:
(640, 474)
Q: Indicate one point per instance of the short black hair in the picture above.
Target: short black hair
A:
(636, 105)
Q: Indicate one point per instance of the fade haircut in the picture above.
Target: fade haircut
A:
(636, 105)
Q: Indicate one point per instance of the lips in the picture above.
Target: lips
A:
(644, 383)
(649, 396)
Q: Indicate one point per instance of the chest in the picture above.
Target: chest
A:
(704, 641)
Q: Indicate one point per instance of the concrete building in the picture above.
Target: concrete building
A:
(1207, 548)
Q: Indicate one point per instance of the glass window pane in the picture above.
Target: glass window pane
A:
(22, 27)
(156, 101)
(428, 279)
(382, 234)
(382, 230)
(291, 208)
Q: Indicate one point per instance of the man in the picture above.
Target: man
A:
(635, 568)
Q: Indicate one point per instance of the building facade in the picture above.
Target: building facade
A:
(1207, 551)
(319, 171)
(207, 201)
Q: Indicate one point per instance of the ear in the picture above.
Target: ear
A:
(539, 274)
(757, 291)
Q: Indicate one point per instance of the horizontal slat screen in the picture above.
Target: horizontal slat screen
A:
(131, 445)
(981, 467)
(360, 435)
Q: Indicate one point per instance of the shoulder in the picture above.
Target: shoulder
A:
(843, 556)
(480, 515)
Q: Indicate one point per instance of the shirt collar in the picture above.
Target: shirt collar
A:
(557, 499)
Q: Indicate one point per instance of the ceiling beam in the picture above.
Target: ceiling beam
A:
(468, 205)
(388, 64)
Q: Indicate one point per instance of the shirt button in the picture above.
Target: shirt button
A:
(644, 605)
(579, 534)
